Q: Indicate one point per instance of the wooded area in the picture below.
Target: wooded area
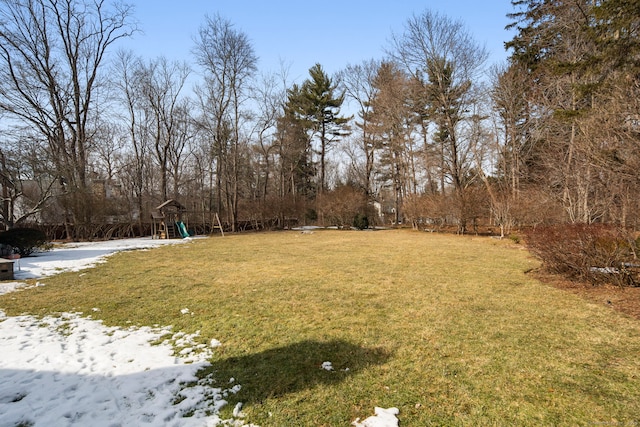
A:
(90, 144)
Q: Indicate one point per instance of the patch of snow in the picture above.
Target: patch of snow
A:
(7, 287)
(237, 410)
(77, 256)
(327, 366)
(73, 371)
(234, 390)
(382, 418)
(605, 270)
(307, 228)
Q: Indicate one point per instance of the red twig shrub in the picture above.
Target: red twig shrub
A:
(595, 253)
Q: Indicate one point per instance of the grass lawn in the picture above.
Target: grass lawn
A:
(451, 330)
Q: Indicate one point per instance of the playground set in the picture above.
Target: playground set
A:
(167, 221)
(170, 221)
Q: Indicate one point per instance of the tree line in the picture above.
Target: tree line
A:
(435, 137)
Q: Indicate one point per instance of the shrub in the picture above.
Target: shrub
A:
(339, 206)
(595, 253)
(311, 215)
(25, 241)
(361, 221)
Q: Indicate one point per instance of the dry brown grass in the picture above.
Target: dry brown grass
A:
(448, 329)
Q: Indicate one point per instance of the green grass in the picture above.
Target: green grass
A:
(451, 330)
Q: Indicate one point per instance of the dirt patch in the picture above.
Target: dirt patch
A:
(623, 299)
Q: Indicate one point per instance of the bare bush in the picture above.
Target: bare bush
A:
(596, 253)
(340, 206)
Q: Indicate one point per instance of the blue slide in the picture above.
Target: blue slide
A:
(182, 229)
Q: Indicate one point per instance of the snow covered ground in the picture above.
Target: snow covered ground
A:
(74, 371)
(81, 255)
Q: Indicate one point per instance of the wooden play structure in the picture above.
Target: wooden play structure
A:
(170, 221)
(167, 220)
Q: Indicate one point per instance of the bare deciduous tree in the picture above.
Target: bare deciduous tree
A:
(161, 83)
(28, 185)
(228, 62)
(269, 96)
(137, 168)
(441, 53)
(51, 53)
(358, 83)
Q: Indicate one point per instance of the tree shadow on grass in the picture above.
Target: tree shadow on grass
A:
(296, 367)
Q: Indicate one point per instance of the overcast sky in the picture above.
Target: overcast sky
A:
(302, 33)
